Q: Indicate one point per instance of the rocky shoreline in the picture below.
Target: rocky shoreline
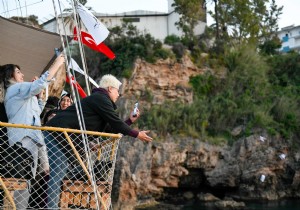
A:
(198, 170)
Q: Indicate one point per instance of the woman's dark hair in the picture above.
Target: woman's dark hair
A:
(7, 72)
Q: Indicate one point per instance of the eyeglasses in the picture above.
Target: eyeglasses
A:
(116, 89)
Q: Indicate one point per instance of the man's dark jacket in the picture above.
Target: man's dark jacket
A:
(98, 112)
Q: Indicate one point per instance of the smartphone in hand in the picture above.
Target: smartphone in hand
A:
(136, 105)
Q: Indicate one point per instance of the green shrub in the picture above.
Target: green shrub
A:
(171, 39)
(127, 73)
(162, 53)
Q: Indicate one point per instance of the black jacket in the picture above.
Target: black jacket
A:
(3, 116)
(98, 112)
(3, 130)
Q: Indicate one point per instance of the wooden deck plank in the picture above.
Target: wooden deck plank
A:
(13, 184)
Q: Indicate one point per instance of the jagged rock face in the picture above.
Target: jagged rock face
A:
(162, 81)
(148, 171)
(145, 171)
(249, 160)
(132, 175)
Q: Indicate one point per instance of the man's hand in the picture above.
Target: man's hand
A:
(132, 118)
(144, 137)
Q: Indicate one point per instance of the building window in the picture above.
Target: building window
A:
(131, 20)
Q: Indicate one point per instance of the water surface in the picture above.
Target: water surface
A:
(270, 205)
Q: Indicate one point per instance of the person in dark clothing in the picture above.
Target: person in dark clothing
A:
(51, 104)
(65, 101)
(49, 115)
(38, 195)
(3, 131)
(99, 114)
(3, 116)
(3, 141)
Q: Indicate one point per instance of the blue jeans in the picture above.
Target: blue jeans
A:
(58, 168)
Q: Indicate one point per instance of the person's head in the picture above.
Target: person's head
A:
(112, 85)
(65, 101)
(52, 102)
(11, 73)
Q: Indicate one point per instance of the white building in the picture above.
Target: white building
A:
(290, 38)
(158, 24)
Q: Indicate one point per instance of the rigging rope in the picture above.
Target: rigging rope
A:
(18, 8)
(82, 52)
(26, 11)
(5, 10)
(86, 145)
(75, 93)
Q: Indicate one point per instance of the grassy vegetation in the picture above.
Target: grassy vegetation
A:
(258, 92)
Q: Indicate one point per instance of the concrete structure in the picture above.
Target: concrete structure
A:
(290, 37)
(158, 24)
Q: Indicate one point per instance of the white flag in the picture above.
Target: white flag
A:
(74, 65)
(98, 31)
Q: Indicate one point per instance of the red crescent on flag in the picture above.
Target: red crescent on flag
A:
(88, 40)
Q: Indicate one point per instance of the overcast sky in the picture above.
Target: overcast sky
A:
(44, 8)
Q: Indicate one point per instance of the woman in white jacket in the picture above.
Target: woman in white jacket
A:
(23, 106)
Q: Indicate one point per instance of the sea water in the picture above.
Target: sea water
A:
(268, 205)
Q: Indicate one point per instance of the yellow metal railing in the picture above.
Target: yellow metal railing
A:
(107, 149)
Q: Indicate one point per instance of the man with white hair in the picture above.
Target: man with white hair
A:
(99, 115)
